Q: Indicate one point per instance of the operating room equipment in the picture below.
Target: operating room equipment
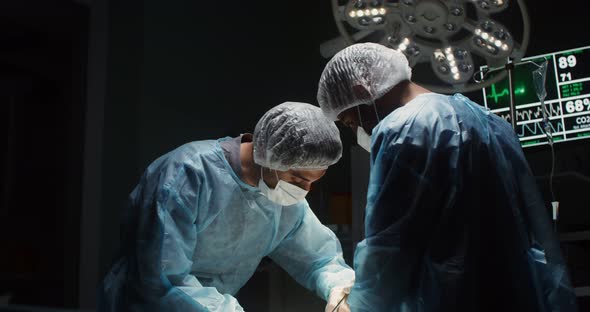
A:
(442, 33)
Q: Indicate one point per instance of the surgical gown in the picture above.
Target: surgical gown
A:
(194, 234)
(454, 220)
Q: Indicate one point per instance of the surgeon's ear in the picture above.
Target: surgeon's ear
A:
(360, 92)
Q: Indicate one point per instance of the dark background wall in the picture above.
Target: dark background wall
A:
(42, 86)
(92, 92)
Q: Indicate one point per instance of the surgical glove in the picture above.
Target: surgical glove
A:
(336, 295)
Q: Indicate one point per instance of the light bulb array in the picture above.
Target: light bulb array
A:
(367, 14)
(491, 43)
(410, 49)
(452, 63)
(403, 45)
(485, 4)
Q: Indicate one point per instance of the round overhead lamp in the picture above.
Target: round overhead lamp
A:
(450, 35)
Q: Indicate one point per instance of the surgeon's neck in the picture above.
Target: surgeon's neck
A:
(250, 170)
(398, 96)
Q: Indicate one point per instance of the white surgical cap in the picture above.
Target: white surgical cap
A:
(296, 136)
(375, 67)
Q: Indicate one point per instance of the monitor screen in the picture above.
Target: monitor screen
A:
(567, 101)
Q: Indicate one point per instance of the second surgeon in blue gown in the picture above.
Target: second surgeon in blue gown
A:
(454, 220)
(204, 215)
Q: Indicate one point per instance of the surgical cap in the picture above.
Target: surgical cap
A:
(375, 67)
(296, 136)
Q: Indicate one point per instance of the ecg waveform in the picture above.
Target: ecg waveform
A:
(533, 113)
(493, 94)
(535, 129)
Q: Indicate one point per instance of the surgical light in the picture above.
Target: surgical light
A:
(450, 35)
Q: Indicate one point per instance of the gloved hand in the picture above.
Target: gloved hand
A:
(337, 294)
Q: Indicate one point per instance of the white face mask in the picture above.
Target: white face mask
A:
(363, 139)
(285, 193)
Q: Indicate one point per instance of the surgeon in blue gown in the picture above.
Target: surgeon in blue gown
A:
(454, 219)
(204, 215)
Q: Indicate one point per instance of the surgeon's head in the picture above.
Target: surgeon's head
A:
(357, 79)
(294, 144)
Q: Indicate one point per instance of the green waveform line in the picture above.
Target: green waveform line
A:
(496, 95)
(505, 92)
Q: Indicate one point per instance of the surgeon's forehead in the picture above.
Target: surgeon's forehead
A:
(308, 175)
(348, 115)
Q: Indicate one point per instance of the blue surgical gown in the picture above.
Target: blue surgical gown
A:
(194, 233)
(454, 220)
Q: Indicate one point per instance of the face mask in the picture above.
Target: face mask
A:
(363, 139)
(285, 194)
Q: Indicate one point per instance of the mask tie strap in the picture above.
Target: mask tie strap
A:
(376, 114)
(358, 110)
